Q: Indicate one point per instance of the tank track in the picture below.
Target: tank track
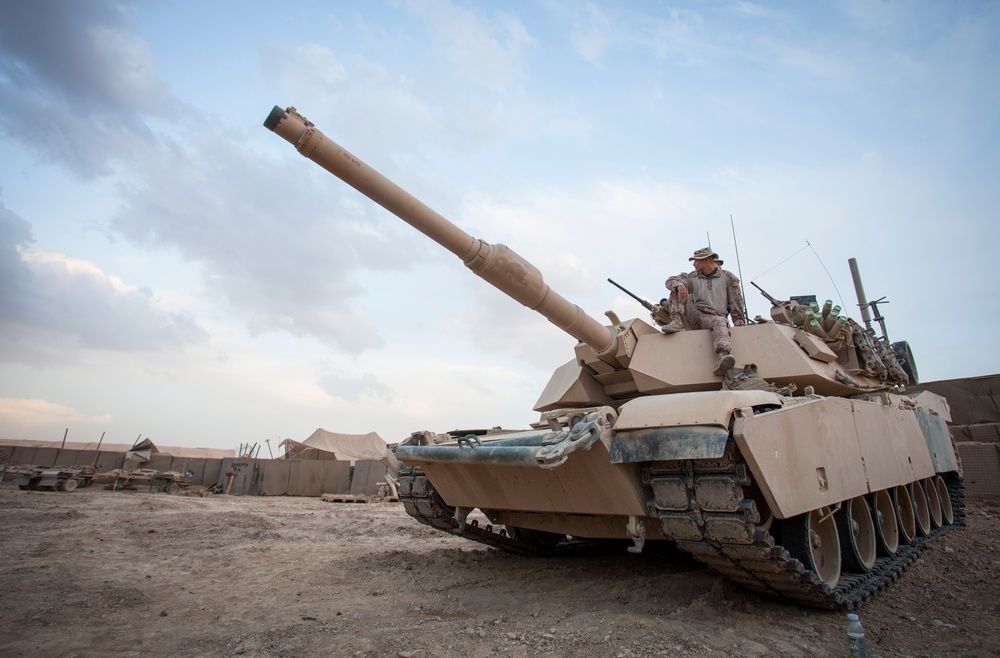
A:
(720, 529)
(719, 526)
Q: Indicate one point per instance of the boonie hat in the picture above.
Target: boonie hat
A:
(704, 253)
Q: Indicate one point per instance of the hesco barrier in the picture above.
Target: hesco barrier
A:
(256, 477)
(975, 428)
(980, 468)
(294, 477)
(30, 456)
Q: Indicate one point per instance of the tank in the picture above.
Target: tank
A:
(805, 473)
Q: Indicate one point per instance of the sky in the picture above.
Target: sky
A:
(173, 270)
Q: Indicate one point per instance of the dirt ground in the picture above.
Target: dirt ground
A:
(100, 573)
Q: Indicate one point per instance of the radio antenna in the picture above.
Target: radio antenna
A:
(739, 268)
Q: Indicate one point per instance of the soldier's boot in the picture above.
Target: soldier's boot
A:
(725, 364)
(676, 324)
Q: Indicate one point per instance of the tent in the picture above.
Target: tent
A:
(322, 444)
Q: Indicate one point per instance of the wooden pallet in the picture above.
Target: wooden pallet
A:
(343, 498)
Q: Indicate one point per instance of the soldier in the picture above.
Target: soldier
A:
(702, 300)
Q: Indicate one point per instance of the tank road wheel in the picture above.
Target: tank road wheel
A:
(886, 525)
(933, 501)
(812, 539)
(69, 484)
(921, 509)
(857, 535)
(172, 489)
(536, 538)
(947, 514)
(905, 515)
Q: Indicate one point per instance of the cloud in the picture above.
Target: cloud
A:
(285, 245)
(283, 248)
(352, 389)
(320, 65)
(51, 303)
(75, 81)
(383, 108)
(542, 226)
(402, 114)
(281, 262)
(21, 418)
(487, 50)
(675, 33)
(86, 50)
(751, 9)
(592, 32)
(15, 232)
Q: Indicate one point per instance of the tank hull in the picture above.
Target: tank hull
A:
(730, 476)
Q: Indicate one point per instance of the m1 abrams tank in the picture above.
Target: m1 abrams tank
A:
(804, 473)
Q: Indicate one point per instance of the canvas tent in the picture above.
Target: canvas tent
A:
(322, 444)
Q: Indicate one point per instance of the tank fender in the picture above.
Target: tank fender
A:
(668, 444)
(680, 425)
(694, 408)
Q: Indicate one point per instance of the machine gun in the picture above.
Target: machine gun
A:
(658, 311)
(775, 303)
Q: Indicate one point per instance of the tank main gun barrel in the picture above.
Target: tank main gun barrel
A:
(498, 265)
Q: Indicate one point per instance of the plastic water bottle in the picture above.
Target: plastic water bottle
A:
(856, 637)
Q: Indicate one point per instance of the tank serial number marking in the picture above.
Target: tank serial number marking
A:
(354, 161)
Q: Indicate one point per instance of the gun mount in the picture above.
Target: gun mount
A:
(639, 440)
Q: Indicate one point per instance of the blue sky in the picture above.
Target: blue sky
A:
(174, 270)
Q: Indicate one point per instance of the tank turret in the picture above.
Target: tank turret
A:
(821, 497)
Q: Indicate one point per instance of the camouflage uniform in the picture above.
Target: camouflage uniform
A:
(711, 299)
